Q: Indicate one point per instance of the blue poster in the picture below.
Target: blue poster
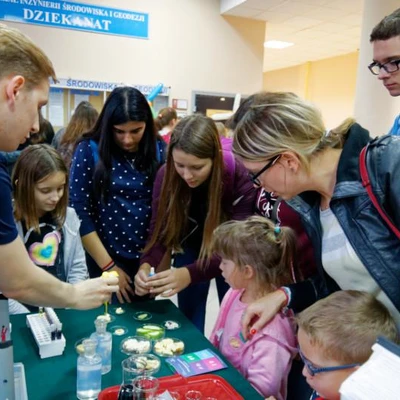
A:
(77, 16)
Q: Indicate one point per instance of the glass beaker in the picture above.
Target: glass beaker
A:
(145, 387)
(130, 370)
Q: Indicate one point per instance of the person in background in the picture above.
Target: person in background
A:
(257, 257)
(165, 122)
(48, 228)
(45, 134)
(200, 187)
(111, 181)
(24, 88)
(336, 335)
(82, 121)
(283, 142)
(226, 142)
(385, 39)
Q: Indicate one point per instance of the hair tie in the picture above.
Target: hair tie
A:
(277, 230)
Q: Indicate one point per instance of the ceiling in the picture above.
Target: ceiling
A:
(318, 28)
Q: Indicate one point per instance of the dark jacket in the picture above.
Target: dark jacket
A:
(374, 243)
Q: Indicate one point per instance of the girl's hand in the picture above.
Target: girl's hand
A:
(170, 282)
(259, 313)
(141, 279)
(124, 285)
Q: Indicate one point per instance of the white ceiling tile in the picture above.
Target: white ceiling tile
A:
(244, 12)
(352, 20)
(326, 14)
(303, 22)
(275, 17)
(314, 2)
(349, 5)
(319, 28)
(330, 27)
(292, 7)
(262, 4)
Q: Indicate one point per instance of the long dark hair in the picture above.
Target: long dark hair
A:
(196, 135)
(124, 104)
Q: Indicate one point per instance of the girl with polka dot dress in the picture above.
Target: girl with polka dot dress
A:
(112, 174)
(48, 228)
(199, 187)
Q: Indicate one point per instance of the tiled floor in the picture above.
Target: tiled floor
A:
(212, 308)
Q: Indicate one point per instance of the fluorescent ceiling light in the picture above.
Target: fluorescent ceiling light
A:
(277, 44)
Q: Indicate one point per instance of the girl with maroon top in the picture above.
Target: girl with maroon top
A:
(199, 187)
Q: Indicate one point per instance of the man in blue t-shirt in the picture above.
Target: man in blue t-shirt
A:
(24, 87)
(385, 39)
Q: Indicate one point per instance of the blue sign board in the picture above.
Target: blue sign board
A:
(71, 83)
(77, 16)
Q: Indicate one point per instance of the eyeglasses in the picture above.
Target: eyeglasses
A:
(389, 67)
(313, 370)
(271, 163)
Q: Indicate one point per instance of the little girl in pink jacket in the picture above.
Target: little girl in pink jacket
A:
(256, 259)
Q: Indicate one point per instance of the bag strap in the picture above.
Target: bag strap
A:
(95, 151)
(367, 184)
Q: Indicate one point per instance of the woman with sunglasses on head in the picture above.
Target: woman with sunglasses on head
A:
(200, 187)
(282, 140)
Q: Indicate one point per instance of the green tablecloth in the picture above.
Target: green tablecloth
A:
(55, 377)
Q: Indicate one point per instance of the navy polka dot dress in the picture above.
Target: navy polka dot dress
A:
(122, 220)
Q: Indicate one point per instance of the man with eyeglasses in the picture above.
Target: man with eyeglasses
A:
(385, 39)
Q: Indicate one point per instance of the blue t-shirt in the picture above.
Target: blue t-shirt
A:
(8, 230)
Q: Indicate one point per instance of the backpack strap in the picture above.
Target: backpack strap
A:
(95, 150)
(367, 184)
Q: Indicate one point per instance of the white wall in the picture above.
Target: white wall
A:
(190, 47)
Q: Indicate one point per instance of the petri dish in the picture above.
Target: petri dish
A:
(151, 331)
(142, 316)
(171, 325)
(108, 317)
(169, 347)
(151, 362)
(135, 345)
(117, 310)
(118, 330)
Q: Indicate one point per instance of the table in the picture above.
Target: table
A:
(55, 377)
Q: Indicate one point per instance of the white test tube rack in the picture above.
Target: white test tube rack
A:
(42, 332)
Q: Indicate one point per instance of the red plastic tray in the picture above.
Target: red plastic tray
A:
(208, 385)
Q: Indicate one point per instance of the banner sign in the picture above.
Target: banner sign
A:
(103, 86)
(77, 16)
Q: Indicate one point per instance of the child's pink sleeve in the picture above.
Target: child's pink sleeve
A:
(269, 368)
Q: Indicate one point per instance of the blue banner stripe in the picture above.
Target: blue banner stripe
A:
(76, 16)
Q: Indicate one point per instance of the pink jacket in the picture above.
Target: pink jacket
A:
(266, 359)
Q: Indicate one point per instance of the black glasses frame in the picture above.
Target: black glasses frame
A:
(394, 63)
(271, 163)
